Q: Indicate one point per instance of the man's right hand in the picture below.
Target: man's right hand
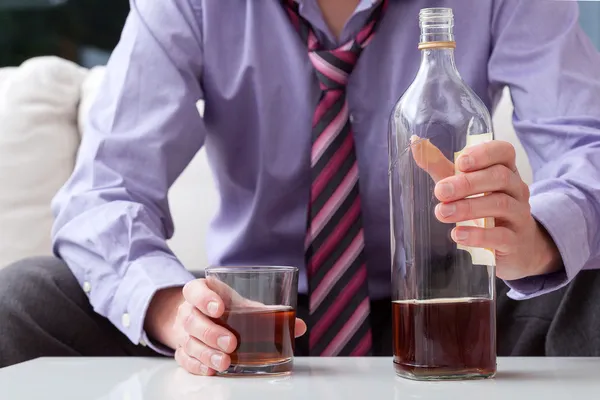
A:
(201, 346)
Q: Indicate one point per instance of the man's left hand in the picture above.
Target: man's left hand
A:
(523, 247)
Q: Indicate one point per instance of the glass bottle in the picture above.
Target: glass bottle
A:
(444, 311)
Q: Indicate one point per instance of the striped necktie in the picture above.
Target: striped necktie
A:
(337, 274)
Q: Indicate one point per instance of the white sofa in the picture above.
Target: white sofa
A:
(43, 104)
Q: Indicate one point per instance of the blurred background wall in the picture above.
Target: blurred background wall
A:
(84, 31)
(590, 19)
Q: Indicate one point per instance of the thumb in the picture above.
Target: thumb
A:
(300, 327)
(430, 159)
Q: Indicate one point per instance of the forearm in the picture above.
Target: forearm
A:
(566, 202)
(116, 255)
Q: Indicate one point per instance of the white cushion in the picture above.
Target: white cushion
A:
(38, 143)
(89, 88)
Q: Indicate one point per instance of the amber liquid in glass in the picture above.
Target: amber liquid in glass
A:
(444, 338)
(265, 335)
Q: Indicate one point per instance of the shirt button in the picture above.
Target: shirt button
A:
(125, 320)
(87, 287)
(143, 343)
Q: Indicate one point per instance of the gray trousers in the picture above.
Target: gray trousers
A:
(44, 312)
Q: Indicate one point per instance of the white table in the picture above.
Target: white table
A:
(314, 379)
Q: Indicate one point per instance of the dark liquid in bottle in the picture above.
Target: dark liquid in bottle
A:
(265, 335)
(444, 338)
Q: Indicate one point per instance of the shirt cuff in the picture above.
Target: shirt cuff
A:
(566, 225)
(142, 280)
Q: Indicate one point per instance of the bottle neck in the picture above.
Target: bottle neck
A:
(437, 41)
(431, 35)
(437, 25)
(438, 61)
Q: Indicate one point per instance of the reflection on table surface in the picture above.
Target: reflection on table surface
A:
(314, 379)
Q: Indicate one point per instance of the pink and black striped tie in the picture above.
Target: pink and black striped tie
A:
(337, 274)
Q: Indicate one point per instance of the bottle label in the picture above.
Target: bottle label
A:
(479, 256)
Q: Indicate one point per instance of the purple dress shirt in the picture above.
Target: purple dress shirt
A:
(247, 62)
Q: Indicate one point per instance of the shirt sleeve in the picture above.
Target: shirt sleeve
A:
(553, 72)
(112, 216)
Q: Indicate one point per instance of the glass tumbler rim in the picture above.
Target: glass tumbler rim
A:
(254, 269)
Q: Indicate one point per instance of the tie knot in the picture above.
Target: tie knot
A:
(334, 66)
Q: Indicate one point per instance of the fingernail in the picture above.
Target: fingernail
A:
(446, 189)
(465, 162)
(216, 359)
(460, 235)
(447, 210)
(203, 369)
(223, 342)
(213, 307)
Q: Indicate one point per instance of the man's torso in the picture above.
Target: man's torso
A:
(260, 93)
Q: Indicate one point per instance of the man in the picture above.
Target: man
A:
(247, 60)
